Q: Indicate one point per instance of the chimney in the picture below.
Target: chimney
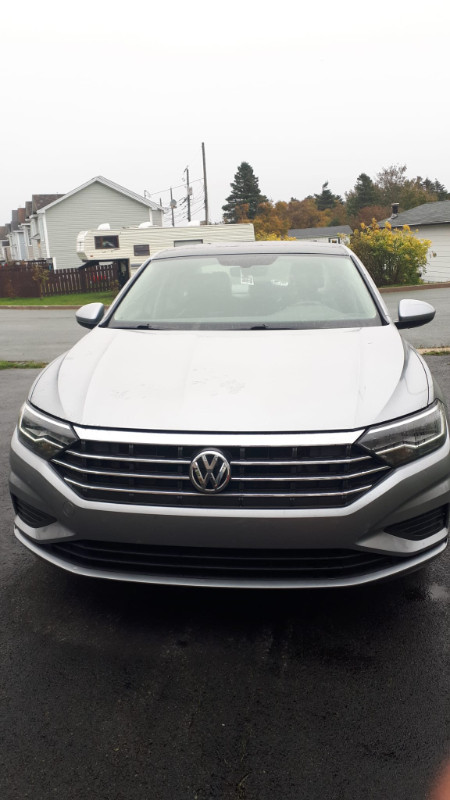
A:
(395, 207)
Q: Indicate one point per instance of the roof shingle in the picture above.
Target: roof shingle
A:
(426, 214)
(305, 233)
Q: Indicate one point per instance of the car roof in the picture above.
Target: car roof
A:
(240, 248)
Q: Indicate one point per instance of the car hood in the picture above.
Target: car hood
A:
(229, 381)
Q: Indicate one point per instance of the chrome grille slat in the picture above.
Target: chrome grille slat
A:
(289, 478)
(130, 474)
(133, 490)
(303, 463)
(252, 478)
(233, 463)
(264, 475)
(128, 458)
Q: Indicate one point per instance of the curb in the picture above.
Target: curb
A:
(414, 288)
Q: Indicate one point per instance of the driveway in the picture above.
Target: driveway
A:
(126, 692)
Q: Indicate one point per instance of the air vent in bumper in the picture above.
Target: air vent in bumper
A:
(32, 516)
(422, 526)
(221, 563)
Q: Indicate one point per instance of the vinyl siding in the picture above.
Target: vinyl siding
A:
(88, 208)
(42, 247)
(438, 268)
(35, 243)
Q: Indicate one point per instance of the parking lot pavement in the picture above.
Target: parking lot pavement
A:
(126, 692)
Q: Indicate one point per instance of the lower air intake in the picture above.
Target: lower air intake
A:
(221, 563)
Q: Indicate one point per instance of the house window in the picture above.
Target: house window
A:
(183, 242)
(106, 242)
(141, 249)
(336, 240)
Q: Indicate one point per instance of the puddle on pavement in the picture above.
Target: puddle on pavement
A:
(439, 593)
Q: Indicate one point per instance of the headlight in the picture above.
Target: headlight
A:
(409, 438)
(45, 435)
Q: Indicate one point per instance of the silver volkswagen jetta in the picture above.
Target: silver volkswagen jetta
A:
(244, 415)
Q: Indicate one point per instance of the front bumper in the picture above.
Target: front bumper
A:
(410, 491)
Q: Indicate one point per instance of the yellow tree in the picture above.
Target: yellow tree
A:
(392, 256)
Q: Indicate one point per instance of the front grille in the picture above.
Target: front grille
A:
(32, 516)
(261, 477)
(422, 526)
(204, 562)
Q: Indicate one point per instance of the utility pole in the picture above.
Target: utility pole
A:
(205, 184)
(173, 205)
(188, 189)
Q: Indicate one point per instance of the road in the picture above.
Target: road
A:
(37, 334)
(42, 334)
(128, 692)
(435, 333)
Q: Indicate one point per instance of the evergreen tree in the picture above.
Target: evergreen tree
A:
(326, 199)
(364, 194)
(434, 187)
(244, 192)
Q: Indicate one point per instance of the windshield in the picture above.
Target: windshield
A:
(253, 291)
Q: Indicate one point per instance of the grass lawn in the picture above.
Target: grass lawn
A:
(60, 299)
(22, 364)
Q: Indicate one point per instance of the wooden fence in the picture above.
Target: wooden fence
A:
(35, 279)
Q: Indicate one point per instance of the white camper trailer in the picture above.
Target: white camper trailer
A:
(130, 247)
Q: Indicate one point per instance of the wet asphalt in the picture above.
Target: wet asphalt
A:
(125, 692)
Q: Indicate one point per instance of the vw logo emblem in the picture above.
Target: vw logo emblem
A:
(210, 472)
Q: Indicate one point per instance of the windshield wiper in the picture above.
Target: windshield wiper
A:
(146, 327)
(265, 327)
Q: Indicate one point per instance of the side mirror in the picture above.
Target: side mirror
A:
(412, 313)
(90, 315)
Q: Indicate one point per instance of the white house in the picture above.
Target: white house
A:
(96, 202)
(429, 221)
(51, 226)
(5, 249)
(35, 233)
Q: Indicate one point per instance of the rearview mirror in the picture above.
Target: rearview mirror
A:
(412, 313)
(90, 315)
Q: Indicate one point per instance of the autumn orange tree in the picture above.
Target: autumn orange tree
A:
(392, 256)
(305, 214)
(271, 220)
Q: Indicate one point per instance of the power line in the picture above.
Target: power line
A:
(180, 186)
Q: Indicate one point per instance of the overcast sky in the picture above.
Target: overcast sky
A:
(304, 94)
